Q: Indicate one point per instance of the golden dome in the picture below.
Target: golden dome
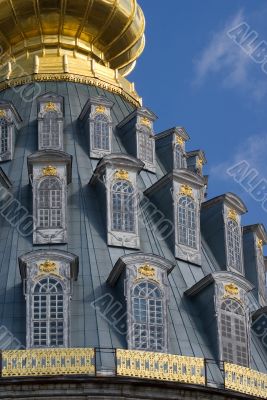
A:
(81, 37)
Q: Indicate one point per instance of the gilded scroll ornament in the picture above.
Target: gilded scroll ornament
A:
(179, 140)
(100, 109)
(231, 289)
(232, 214)
(147, 271)
(260, 244)
(146, 122)
(2, 113)
(50, 106)
(186, 190)
(200, 163)
(49, 171)
(48, 266)
(122, 174)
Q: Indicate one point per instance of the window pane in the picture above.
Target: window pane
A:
(101, 133)
(50, 203)
(123, 207)
(4, 135)
(234, 245)
(50, 131)
(148, 323)
(187, 226)
(48, 315)
(146, 145)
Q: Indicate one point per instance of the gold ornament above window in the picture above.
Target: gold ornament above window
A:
(186, 190)
(179, 140)
(2, 113)
(100, 109)
(49, 171)
(122, 175)
(232, 289)
(146, 122)
(232, 214)
(200, 163)
(50, 106)
(48, 266)
(260, 244)
(147, 271)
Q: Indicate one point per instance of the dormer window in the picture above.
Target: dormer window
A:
(97, 123)
(4, 135)
(146, 145)
(187, 222)
(234, 242)
(50, 122)
(123, 207)
(49, 183)
(146, 291)
(101, 133)
(9, 125)
(115, 178)
(47, 280)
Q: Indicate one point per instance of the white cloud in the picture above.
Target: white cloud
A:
(252, 150)
(234, 67)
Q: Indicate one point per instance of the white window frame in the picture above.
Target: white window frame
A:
(234, 245)
(187, 224)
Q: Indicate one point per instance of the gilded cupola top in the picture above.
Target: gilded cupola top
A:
(98, 39)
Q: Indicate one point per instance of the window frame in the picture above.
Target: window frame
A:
(50, 209)
(189, 231)
(232, 332)
(146, 146)
(133, 214)
(49, 135)
(178, 149)
(102, 136)
(231, 245)
(46, 323)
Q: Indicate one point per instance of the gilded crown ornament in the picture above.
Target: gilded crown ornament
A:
(146, 122)
(100, 109)
(90, 42)
(50, 106)
(147, 271)
(122, 174)
(180, 140)
(260, 244)
(49, 171)
(48, 266)
(186, 190)
(232, 289)
(232, 214)
(2, 113)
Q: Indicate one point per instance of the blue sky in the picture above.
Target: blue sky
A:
(192, 74)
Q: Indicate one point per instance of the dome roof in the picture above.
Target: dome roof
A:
(108, 31)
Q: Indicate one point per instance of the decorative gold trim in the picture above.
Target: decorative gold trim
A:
(119, 86)
(50, 171)
(232, 289)
(50, 106)
(180, 140)
(245, 380)
(48, 362)
(146, 122)
(232, 214)
(48, 266)
(147, 271)
(122, 174)
(100, 109)
(200, 163)
(186, 190)
(163, 367)
(2, 113)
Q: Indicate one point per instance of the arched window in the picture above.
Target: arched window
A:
(50, 203)
(4, 135)
(101, 133)
(48, 313)
(50, 130)
(148, 317)
(234, 245)
(123, 207)
(187, 224)
(234, 333)
(179, 158)
(146, 149)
